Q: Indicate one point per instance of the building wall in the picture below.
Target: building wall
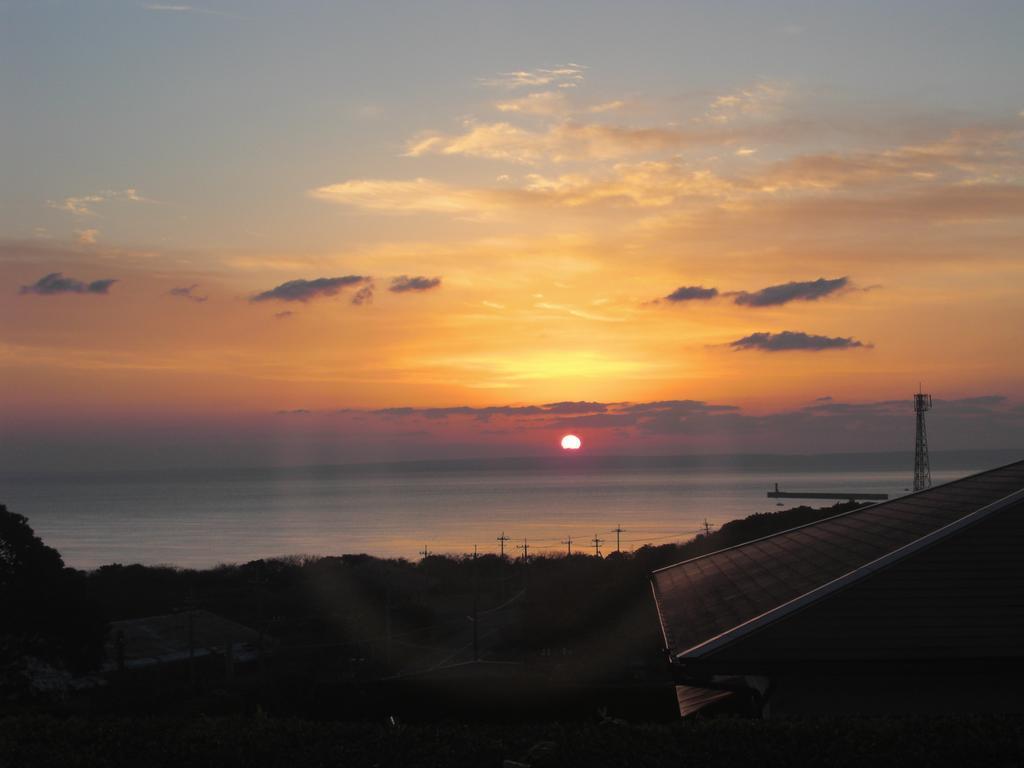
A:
(894, 693)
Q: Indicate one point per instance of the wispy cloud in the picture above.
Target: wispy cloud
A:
(775, 295)
(540, 103)
(408, 195)
(55, 283)
(982, 153)
(576, 312)
(761, 198)
(418, 284)
(171, 8)
(480, 414)
(571, 133)
(364, 295)
(759, 100)
(559, 142)
(564, 76)
(188, 292)
(305, 290)
(607, 106)
(86, 236)
(691, 293)
(85, 205)
(649, 184)
(575, 407)
(936, 203)
(789, 341)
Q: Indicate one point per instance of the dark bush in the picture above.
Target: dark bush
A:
(45, 607)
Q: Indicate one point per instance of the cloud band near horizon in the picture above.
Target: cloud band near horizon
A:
(681, 419)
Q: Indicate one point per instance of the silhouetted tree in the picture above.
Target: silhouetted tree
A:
(45, 608)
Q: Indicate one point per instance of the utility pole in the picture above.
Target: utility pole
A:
(707, 527)
(476, 612)
(618, 537)
(597, 545)
(387, 625)
(192, 637)
(425, 552)
(502, 576)
(259, 582)
(525, 546)
(229, 660)
(119, 649)
(922, 467)
(568, 543)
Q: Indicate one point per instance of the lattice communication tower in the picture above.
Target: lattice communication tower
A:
(922, 468)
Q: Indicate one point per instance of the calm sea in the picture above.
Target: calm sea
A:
(202, 518)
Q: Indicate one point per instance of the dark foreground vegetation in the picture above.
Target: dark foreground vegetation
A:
(367, 661)
(259, 741)
(356, 636)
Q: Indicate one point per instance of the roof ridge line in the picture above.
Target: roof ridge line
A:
(851, 577)
(840, 514)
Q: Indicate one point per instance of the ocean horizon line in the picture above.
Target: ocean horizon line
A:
(783, 462)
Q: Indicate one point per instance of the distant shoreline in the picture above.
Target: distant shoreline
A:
(200, 518)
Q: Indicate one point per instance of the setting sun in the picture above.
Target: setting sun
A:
(571, 443)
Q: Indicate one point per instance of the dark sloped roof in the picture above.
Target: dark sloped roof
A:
(706, 598)
(166, 637)
(959, 599)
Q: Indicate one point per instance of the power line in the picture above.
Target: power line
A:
(557, 543)
(597, 545)
(651, 539)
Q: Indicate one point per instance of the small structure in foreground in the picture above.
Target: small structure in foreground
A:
(908, 606)
(178, 637)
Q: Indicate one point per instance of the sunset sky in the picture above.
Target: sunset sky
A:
(259, 232)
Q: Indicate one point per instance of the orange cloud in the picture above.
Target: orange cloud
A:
(560, 142)
(540, 103)
(565, 76)
(410, 195)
